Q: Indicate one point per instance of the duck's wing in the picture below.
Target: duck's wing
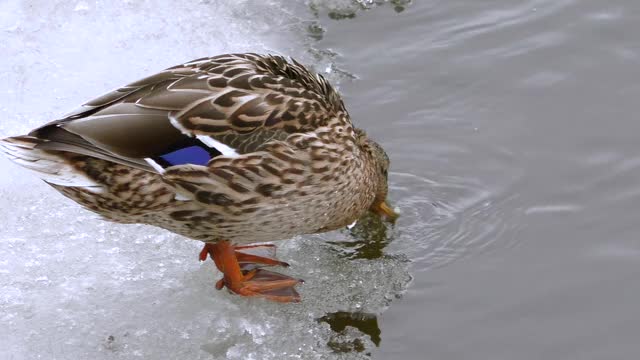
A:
(188, 114)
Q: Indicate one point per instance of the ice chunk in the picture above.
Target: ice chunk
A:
(81, 6)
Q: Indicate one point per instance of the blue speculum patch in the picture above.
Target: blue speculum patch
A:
(189, 155)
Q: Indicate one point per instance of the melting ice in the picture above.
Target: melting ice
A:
(75, 287)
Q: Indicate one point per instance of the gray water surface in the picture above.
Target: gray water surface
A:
(518, 124)
(511, 127)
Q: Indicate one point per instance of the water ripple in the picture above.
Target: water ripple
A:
(445, 221)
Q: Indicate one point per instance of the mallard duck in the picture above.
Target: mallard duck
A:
(230, 150)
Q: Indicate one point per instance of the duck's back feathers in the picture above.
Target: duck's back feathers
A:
(232, 104)
(234, 137)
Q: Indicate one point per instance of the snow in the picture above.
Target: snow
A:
(76, 287)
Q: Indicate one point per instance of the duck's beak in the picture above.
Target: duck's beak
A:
(384, 210)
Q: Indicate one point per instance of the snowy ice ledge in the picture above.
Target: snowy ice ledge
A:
(75, 287)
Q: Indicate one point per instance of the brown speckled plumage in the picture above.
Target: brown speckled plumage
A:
(233, 149)
(293, 162)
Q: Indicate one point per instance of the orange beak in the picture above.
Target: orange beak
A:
(384, 210)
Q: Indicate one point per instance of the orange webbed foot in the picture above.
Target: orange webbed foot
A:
(266, 284)
(243, 275)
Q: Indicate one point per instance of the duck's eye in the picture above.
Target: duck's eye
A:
(385, 172)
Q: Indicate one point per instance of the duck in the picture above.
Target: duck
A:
(234, 150)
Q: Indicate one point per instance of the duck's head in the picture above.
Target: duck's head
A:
(381, 165)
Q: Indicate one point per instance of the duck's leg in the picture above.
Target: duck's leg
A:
(245, 258)
(256, 282)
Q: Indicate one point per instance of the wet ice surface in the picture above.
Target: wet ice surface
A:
(79, 288)
(75, 287)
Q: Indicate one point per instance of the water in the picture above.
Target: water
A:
(511, 130)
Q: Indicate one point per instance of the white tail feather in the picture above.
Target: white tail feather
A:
(49, 166)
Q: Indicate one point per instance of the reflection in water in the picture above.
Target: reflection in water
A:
(346, 341)
(341, 14)
(348, 9)
(342, 10)
(370, 234)
(400, 5)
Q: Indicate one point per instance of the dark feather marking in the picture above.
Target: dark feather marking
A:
(252, 108)
(218, 69)
(213, 198)
(251, 201)
(241, 82)
(254, 169)
(268, 189)
(293, 105)
(206, 110)
(294, 92)
(187, 186)
(181, 215)
(223, 174)
(218, 82)
(212, 129)
(246, 126)
(288, 159)
(238, 188)
(302, 143)
(290, 128)
(320, 170)
(193, 173)
(272, 170)
(274, 99)
(243, 172)
(256, 82)
(286, 116)
(234, 71)
(272, 119)
(226, 99)
(294, 171)
(222, 59)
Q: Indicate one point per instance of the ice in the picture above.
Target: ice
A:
(76, 287)
(81, 6)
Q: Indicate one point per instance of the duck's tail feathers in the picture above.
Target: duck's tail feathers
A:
(51, 166)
